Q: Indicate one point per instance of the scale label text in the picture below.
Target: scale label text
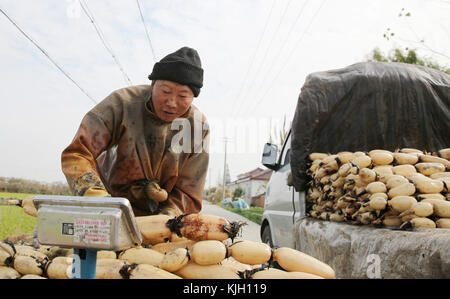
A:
(92, 231)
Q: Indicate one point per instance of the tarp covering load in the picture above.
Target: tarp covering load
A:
(368, 106)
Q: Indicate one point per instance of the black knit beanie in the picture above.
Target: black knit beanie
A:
(183, 67)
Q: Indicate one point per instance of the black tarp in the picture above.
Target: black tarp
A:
(369, 106)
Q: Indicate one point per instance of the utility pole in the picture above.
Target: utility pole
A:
(224, 168)
(209, 178)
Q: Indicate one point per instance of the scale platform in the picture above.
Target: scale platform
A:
(102, 223)
(87, 224)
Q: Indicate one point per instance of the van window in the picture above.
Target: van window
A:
(287, 158)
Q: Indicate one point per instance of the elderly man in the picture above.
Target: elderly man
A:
(125, 146)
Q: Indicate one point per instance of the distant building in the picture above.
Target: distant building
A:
(253, 183)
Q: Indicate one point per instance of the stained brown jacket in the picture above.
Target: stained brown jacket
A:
(121, 141)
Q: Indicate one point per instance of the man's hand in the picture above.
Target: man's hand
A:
(96, 192)
(155, 192)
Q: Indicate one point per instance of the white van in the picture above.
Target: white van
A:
(283, 205)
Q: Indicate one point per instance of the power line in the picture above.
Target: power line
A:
(290, 55)
(146, 31)
(271, 41)
(253, 58)
(102, 38)
(423, 43)
(47, 55)
(297, 18)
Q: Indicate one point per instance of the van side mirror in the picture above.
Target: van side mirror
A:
(269, 157)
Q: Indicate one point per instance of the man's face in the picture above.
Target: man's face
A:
(171, 100)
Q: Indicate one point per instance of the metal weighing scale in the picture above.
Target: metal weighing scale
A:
(86, 224)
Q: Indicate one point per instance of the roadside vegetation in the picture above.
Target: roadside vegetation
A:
(406, 56)
(13, 221)
(253, 213)
(18, 185)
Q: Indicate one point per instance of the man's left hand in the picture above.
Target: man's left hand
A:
(155, 192)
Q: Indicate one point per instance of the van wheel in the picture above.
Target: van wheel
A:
(266, 236)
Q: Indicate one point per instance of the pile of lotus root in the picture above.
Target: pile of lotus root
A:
(404, 189)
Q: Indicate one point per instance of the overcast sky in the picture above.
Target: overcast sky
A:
(255, 54)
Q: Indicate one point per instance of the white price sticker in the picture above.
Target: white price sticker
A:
(92, 231)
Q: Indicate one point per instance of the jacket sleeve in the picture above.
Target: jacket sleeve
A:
(78, 159)
(186, 196)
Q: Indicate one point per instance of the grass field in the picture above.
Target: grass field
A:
(253, 213)
(13, 221)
